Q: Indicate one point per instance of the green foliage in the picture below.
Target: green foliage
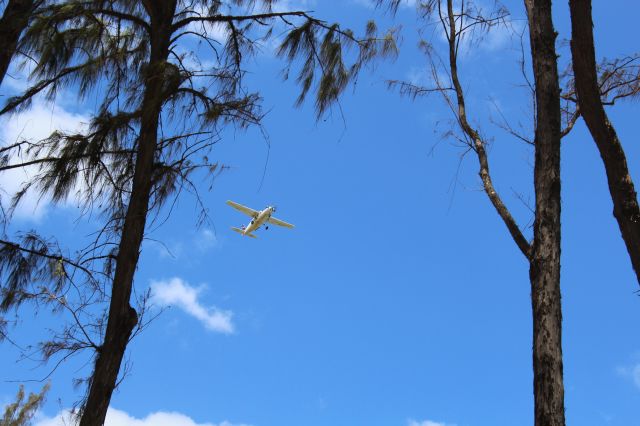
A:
(20, 412)
(106, 44)
(156, 91)
(321, 48)
(22, 265)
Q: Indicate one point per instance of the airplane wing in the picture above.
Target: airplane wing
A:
(279, 222)
(243, 209)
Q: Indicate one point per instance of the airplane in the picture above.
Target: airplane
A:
(258, 218)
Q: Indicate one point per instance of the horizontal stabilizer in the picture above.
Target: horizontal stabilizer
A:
(241, 231)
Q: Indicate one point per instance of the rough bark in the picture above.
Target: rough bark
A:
(544, 271)
(14, 20)
(623, 193)
(122, 317)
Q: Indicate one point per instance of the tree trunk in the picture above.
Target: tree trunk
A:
(14, 20)
(544, 270)
(122, 317)
(623, 193)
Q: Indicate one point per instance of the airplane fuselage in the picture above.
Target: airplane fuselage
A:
(260, 219)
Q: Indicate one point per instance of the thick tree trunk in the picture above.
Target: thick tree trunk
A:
(14, 20)
(122, 317)
(544, 271)
(623, 193)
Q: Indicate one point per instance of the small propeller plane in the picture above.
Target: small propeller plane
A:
(258, 218)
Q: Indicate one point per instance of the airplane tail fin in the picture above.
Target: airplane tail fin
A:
(240, 231)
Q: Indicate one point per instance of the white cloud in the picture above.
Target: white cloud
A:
(632, 373)
(501, 36)
(120, 418)
(289, 5)
(218, 31)
(64, 418)
(206, 239)
(480, 39)
(203, 240)
(412, 422)
(422, 76)
(178, 293)
(34, 124)
(194, 60)
(370, 4)
(172, 250)
(15, 80)
(418, 76)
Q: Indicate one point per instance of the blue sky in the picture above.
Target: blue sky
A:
(399, 298)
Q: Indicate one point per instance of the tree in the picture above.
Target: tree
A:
(544, 272)
(543, 252)
(589, 88)
(15, 19)
(20, 412)
(30, 257)
(161, 113)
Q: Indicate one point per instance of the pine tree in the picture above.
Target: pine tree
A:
(151, 81)
(14, 20)
(20, 412)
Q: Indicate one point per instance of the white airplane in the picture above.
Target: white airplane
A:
(258, 218)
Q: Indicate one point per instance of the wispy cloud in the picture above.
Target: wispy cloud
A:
(168, 250)
(501, 36)
(206, 239)
(412, 422)
(289, 5)
(370, 4)
(217, 31)
(418, 76)
(176, 292)
(482, 39)
(631, 372)
(121, 418)
(190, 248)
(32, 125)
(220, 31)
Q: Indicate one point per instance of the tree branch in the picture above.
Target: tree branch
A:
(478, 142)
